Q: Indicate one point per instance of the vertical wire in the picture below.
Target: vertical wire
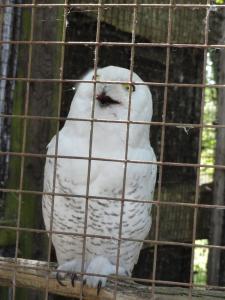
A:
(61, 70)
(27, 96)
(97, 39)
(134, 20)
(199, 149)
(165, 100)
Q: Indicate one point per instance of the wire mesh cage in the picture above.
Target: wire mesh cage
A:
(94, 168)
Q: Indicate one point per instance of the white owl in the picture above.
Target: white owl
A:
(106, 178)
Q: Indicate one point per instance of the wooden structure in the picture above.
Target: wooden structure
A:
(34, 275)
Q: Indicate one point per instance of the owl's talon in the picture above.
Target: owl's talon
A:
(99, 287)
(73, 278)
(59, 280)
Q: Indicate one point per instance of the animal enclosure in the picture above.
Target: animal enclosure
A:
(176, 47)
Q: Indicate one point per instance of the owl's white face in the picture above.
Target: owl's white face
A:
(112, 100)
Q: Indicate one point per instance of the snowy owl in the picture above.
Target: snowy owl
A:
(106, 180)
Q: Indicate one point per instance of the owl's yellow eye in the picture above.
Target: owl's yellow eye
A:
(97, 77)
(127, 86)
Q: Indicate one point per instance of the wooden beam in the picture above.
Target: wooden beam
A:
(217, 215)
(153, 22)
(35, 275)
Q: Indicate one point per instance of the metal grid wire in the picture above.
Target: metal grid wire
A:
(166, 84)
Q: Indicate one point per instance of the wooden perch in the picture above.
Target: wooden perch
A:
(34, 274)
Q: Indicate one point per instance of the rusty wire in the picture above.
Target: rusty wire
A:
(152, 123)
(154, 202)
(165, 98)
(96, 57)
(61, 68)
(129, 5)
(160, 84)
(121, 44)
(158, 203)
(134, 20)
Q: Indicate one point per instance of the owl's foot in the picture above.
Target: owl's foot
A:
(101, 265)
(98, 265)
(68, 269)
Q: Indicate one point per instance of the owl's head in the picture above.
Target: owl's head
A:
(112, 99)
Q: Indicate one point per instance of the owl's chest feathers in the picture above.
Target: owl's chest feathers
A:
(108, 140)
(105, 142)
(106, 177)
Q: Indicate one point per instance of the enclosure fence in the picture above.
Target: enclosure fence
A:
(18, 140)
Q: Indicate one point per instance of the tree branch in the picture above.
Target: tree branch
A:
(36, 275)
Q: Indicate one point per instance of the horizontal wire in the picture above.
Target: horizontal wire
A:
(160, 84)
(109, 5)
(132, 161)
(116, 239)
(106, 198)
(154, 123)
(121, 44)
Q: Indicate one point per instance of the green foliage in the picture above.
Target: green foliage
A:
(220, 2)
(200, 262)
(209, 134)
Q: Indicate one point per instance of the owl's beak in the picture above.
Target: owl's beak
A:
(105, 100)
